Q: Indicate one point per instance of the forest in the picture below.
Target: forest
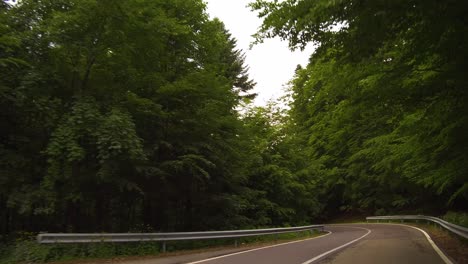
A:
(123, 116)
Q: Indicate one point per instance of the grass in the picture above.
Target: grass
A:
(457, 218)
(27, 250)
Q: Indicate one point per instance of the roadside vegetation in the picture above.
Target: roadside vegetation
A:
(26, 250)
(451, 244)
(457, 218)
(122, 116)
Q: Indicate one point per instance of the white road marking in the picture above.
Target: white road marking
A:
(434, 246)
(340, 247)
(255, 249)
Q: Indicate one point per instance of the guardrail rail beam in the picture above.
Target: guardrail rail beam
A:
(456, 229)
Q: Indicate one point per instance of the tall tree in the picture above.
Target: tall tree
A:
(118, 115)
(383, 99)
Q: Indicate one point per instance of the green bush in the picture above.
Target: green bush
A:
(27, 250)
(30, 252)
(457, 218)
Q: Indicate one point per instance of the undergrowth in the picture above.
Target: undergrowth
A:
(28, 250)
(457, 218)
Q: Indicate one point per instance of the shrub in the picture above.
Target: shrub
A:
(457, 218)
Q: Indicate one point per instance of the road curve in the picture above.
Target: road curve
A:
(390, 243)
(299, 252)
(353, 243)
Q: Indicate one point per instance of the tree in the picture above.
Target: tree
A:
(118, 116)
(382, 99)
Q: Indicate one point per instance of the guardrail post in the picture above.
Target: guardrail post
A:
(235, 243)
(163, 238)
(429, 220)
(39, 238)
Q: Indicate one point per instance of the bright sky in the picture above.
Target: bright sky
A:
(271, 64)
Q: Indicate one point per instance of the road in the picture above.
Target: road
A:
(356, 243)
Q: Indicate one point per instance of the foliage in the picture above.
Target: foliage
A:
(118, 115)
(381, 107)
(28, 251)
(122, 116)
(31, 252)
(456, 218)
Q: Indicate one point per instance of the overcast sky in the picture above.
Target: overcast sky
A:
(271, 64)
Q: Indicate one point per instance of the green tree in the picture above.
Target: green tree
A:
(281, 190)
(382, 102)
(118, 116)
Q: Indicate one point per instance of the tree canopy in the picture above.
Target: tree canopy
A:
(123, 115)
(118, 115)
(382, 105)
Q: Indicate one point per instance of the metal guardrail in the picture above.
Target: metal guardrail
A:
(51, 238)
(459, 230)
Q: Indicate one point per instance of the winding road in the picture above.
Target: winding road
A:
(351, 243)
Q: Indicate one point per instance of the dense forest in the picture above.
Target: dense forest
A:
(124, 115)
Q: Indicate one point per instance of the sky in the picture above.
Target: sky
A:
(271, 64)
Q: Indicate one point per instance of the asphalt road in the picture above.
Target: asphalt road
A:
(389, 244)
(359, 243)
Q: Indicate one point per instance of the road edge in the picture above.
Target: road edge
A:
(441, 254)
(340, 247)
(255, 249)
